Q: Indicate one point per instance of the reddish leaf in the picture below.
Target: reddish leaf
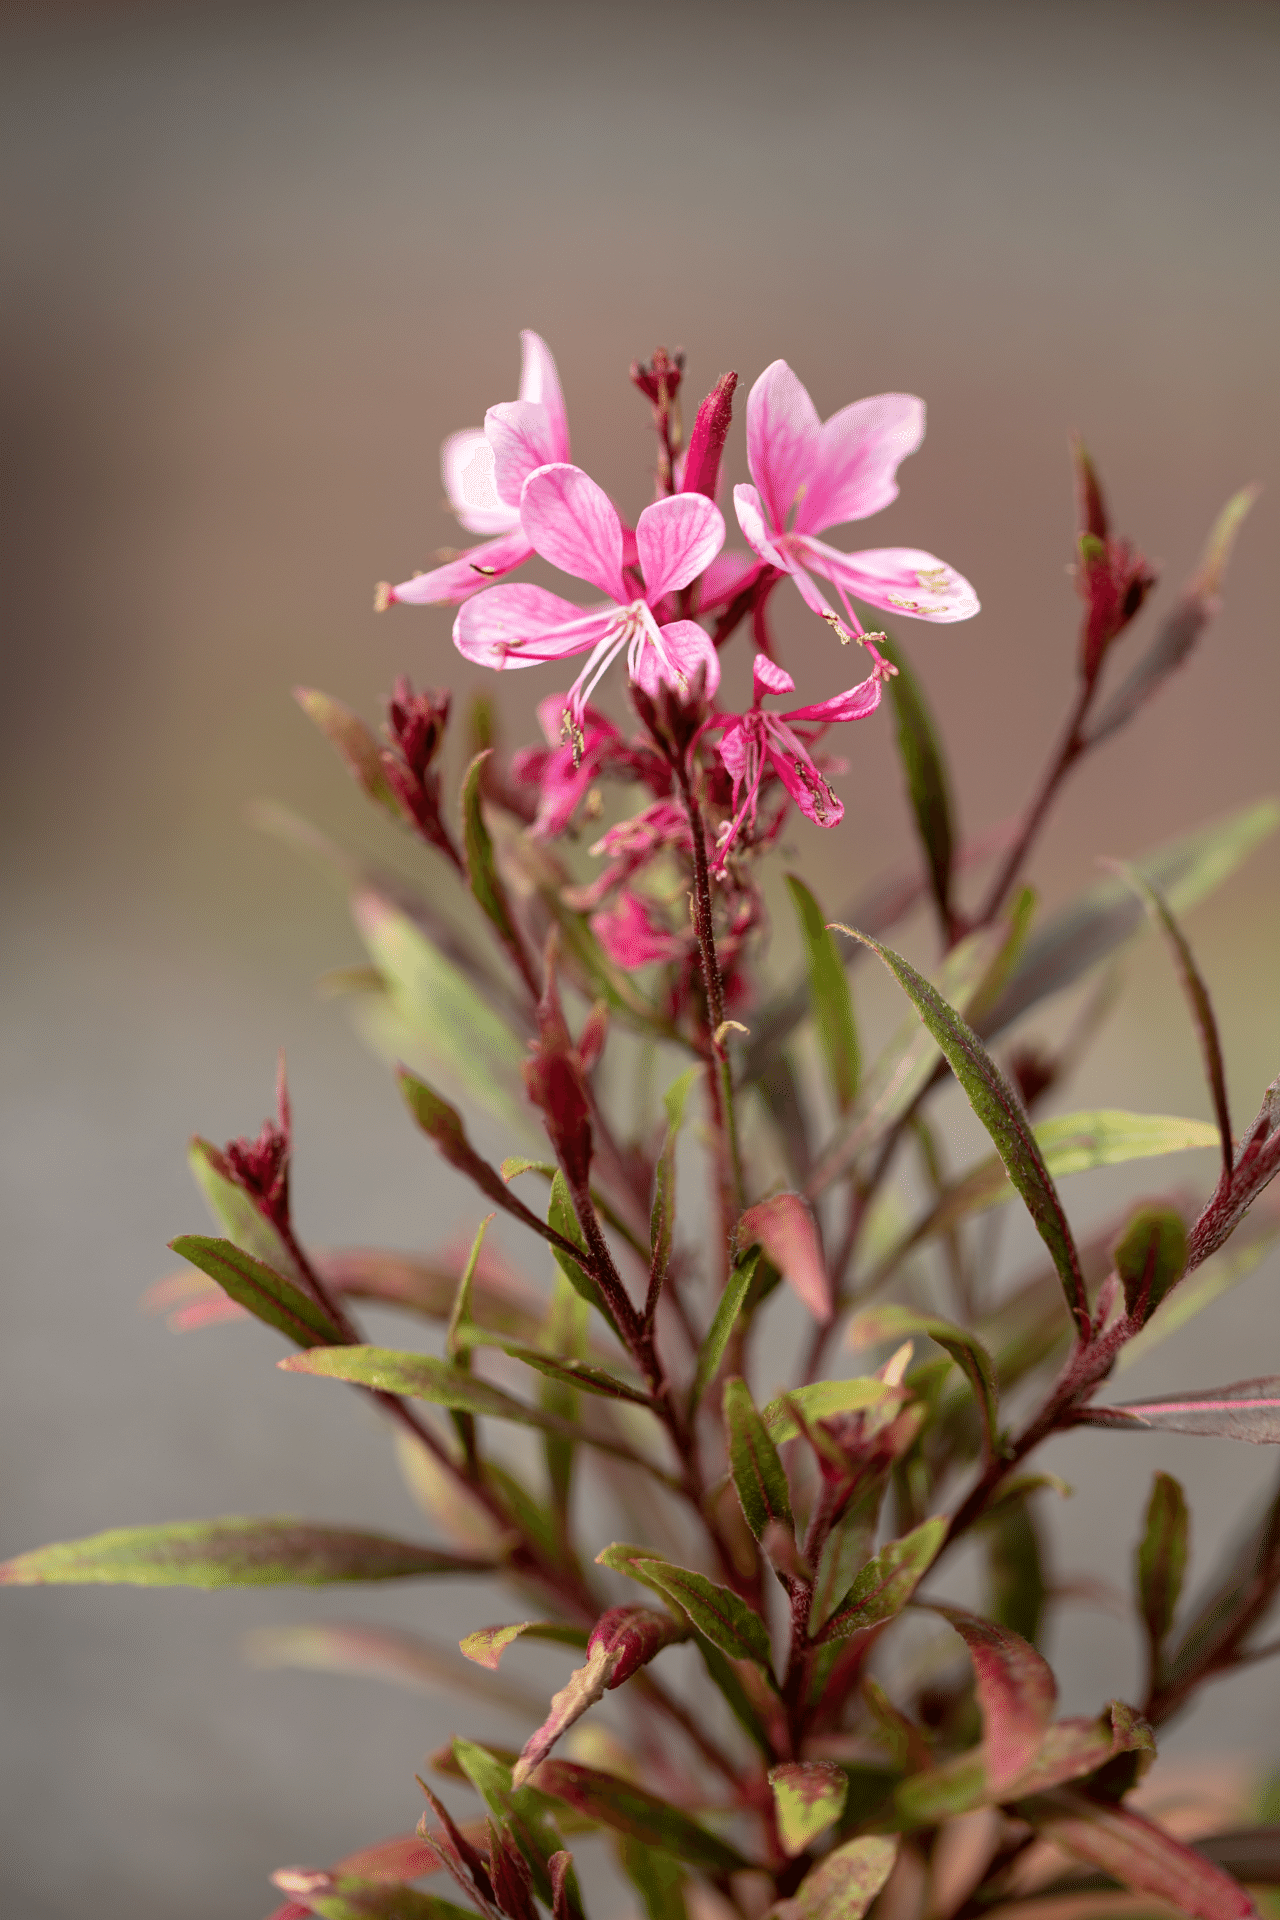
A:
(1249, 1410)
(629, 1809)
(786, 1229)
(1138, 1853)
(1016, 1692)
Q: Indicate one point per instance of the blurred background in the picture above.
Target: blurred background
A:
(257, 261)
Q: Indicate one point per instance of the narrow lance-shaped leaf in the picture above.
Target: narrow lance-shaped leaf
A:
(629, 1809)
(716, 1611)
(566, 1899)
(1069, 1750)
(1138, 1853)
(662, 1217)
(482, 872)
(843, 1885)
(758, 1472)
(785, 1227)
(822, 1399)
(1227, 1615)
(1016, 1693)
(487, 1645)
(229, 1553)
(875, 1324)
(353, 740)
(518, 1813)
(240, 1219)
(1248, 1410)
(1161, 1562)
(808, 1797)
(886, 1583)
(920, 751)
(254, 1285)
(1001, 1113)
(570, 1248)
(1150, 1257)
(1217, 1276)
(1197, 998)
(829, 996)
(343, 1896)
(657, 1878)
(622, 1641)
(728, 1307)
(383, 1653)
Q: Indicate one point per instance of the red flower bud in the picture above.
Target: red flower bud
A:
(706, 442)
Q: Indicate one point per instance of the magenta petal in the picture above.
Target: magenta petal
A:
(519, 431)
(858, 453)
(540, 383)
(733, 750)
(899, 579)
(853, 705)
(469, 574)
(726, 577)
(795, 768)
(631, 935)
(689, 650)
(676, 539)
(521, 626)
(749, 508)
(768, 677)
(782, 440)
(467, 469)
(573, 523)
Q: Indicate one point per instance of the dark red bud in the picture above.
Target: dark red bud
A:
(638, 1631)
(659, 381)
(261, 1167)
(706, 442)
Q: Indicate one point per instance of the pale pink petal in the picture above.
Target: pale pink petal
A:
(899, 579)
(733, 750)
(470, 573)
(519, 431)
(689, 650)
(859, 449)
(768, 677)
(785, 1229)
(540, 383)
(782, 441)
(573, 523)
(794, 765)
(521, 626)
(750, 511)
(466, 466)
(727, 576)
(675, 539)
(853, 705)
(550, 712)
(631, 934)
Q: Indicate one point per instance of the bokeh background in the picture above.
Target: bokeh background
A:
(257, 260)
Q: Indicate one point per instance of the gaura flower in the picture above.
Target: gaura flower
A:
(812, 474)
(573, 523)
(633, 936)
(752, 738)
(484, 469)
(564, 780)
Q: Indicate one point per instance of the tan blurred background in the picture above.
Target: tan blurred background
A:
(257, 261)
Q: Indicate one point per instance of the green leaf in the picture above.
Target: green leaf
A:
(1002, 1114)
(251, 1231)
(758, 1472)
(257, 1287)
(847, 1550)
(716, 1611)
(443, 1125)
(844, 1883)
(728, 1307)
(1069, 1750)
(922, 761)
(1218, 1274)
(1107, 915)
(808, 1797)
(821, 1400)
(563, 1221)
(517, 1810)
(1151, 1257)
(482, 871)
(1138, 1853)
(886, 1583)
(578, 1373)
(469, 1045)
(726, 1677)
(829, 996)
(487, 1645)
(1162, 1561)
(345, 1896)
(1017, 1591)
(662, 1217)
(656, 1877)
(875, 1324)
(358, 747)
(228, 1553)
(628, 1809)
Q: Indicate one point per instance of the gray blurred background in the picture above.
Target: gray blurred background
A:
(257, 261)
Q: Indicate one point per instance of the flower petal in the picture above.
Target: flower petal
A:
(631, 935)
(768, 677)
(733, 749)
(466, 466)
(573, 523)
(470, 573)
(859, 449)
(798, 774)
(727, 576)
(689, 650)
(676, 539)
(782, 440)
(519, 431)
(749, 508)
(520, 626)
(540, 383)
(899, 579)
(856, 704)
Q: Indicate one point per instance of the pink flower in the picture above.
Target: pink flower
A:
(811, 474)
(752, 738)
(573, 523)
(563, 779)
(484, 469)
(630, 845)
(632, 936)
